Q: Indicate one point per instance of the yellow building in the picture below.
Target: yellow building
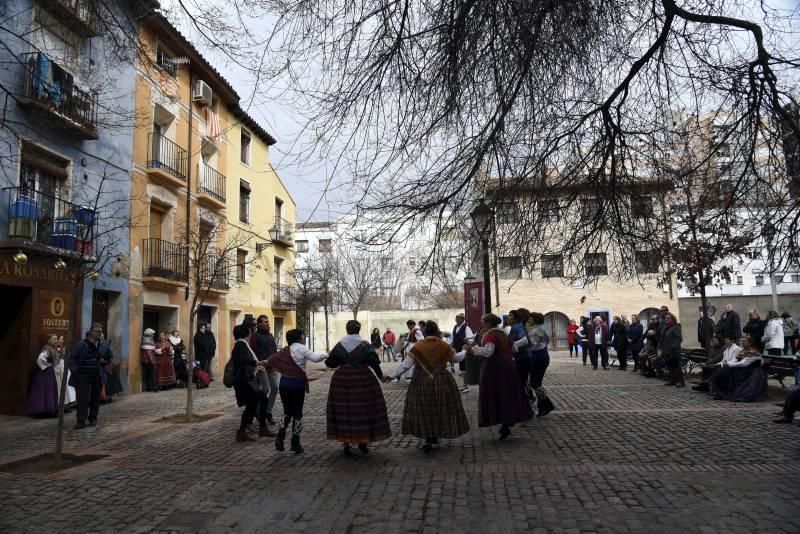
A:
(260, 215)
(186, 189)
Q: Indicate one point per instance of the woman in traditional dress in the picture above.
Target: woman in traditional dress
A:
(148, 360)
(502, 399)
(433, 406)
(178, 361)
(290, 362)
(70, 397)
(165, 371)
(43, 396)
(741, 380)
(356, 411)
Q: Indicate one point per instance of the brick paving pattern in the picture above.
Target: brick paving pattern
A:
(620, 454)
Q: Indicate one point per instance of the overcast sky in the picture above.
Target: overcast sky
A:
(319, 196)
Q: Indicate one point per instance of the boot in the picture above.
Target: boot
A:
(677, 375)
(279, 440)
(296, 447)
(241, 435)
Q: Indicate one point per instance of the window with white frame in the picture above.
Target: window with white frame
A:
(759, 279)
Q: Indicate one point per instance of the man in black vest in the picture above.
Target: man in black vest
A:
(461, 332)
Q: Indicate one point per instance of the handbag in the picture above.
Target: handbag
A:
(229, 375)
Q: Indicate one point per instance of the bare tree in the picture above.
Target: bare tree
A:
(316, 286)
(364, 278)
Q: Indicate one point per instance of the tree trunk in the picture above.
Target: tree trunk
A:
(189, 398)
(327, 342)
(704, 308)
(62, 394)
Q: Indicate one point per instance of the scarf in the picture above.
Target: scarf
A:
(283, 363)
(431, 354)
(174, 340)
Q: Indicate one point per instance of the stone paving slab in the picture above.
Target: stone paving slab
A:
(620, 454)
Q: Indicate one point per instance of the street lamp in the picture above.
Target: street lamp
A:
(769, 232)
(482, 217)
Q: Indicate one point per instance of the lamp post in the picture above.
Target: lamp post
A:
(482, 217)
(769, 232)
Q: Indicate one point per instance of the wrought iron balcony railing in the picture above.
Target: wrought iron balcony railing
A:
(283, 231)
(163, 259)
(212, 182)
(283, 296)
(166, 155)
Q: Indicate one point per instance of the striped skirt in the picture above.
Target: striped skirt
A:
(433, 407)
(356, 411)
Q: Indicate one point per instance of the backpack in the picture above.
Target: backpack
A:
(229, 376)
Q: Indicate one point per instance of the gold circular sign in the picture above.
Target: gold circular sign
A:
(57, 307)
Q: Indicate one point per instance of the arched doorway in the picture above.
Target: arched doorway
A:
(555, 324)
(645, 314)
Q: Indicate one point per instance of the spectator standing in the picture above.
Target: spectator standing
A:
(461, 334)
(731, 324)
(635, 340)
(85, 361)
(149, 360)
(572, 337)
(263, 343)
(705, 330)
(178, 361)
(389, 339)
(619, 340)
(755, 329)
(245, 366)
(583, 334)
(598, 342)
(376, 341)
(205, 346)
(789, 333)
(772, 340)
(670, 345)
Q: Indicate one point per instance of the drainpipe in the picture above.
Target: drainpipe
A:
(189, 190)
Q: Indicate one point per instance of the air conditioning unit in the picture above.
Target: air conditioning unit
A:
(202, 93)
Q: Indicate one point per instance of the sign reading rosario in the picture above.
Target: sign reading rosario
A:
(32, 271)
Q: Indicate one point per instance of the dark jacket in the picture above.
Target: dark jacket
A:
(730, 326)
(87, 357)
(244, 371)
(755, 329)
(705, 331)
(263, 343)
(205, 346)
(590, 335)
(375, 340)
(670, 342)
(619, 335)
(636, 337)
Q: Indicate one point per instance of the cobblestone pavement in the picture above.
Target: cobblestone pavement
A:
(620, 454)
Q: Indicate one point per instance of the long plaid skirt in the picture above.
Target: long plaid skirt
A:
(165, 371)
(433, 407)
(502, 398)
(356, 411)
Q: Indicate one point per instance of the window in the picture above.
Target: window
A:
(595, 264)
(325, 246)
(245, 148)
(506, 211)
(55, 41)
(641, 207)
(412, 262)
(795, 278)
(759, 279)
(241, 266)
(646, 261)
(510, 266)
(301, 246)
(244, 202)
(753, 253)
(166, 61)
(552, 266)
(739, 280)
(548, 211)
(723, 150)
(590, 210)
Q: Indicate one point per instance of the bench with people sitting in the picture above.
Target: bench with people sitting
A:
(779, 366)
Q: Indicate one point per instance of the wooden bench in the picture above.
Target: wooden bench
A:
(779, 367)
(692, 358)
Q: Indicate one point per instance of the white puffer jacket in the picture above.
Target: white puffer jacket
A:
(773, 334)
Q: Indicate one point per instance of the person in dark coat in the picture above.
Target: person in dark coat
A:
(705, 330)
(635, 340)
(619, 340)
(263, 344)
(205, 346)
(730, 326)
(598, 342)
(245, 367)
(790, 406)
(755, 329)
(670, 345)
(85, 362)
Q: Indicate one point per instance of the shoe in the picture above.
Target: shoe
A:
(605, 368)
(279, 440)
(680, 384)
(542, 413)
(270, 420)
(363, 448)
(504, 433)
(623, 369)
(79, 425)
(241, 435)
(296, 447)
(700, 387)
(251, 429)
(782, 420)
(92, 422)
(347, 451)
(265, 432)
(584, 364)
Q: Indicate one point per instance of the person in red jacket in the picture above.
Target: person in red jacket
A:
(388, 344)
(572, 337)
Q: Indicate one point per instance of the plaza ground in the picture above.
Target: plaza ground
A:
(620, 454)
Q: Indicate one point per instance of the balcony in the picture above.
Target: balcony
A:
(45, 222)
(50, 94)
(166, 161)
(216, 274)
(283, 297)
(77, 15)
(211, 186)
(164, 263)
(283, 232)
